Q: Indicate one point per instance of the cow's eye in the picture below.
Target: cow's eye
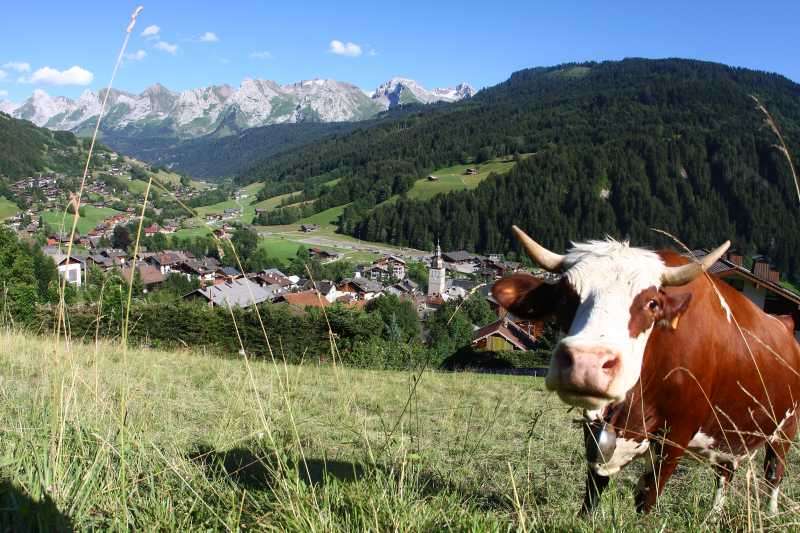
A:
(652, 305)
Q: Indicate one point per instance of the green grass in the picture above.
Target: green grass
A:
(7, 208)
(184, 441)
(329, 216)
(279, 247)
(453, 179)
(91, 218)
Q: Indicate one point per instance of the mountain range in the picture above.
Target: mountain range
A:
(158, 111)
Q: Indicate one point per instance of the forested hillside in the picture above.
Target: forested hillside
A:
(26, 149)
(216, 155)
(619, 148)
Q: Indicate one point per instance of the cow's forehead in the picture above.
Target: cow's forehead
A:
(612, 268)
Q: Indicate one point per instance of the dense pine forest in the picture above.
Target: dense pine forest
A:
(618, 148)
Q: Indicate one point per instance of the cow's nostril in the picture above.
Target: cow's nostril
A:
(611, 364)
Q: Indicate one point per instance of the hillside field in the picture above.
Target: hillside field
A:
(94, 438)
(92, 217)
(455, 179)
(7, 208)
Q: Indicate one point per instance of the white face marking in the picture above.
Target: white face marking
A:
(626, 451)
(607, 276)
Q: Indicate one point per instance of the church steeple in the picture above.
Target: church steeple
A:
(437, 281)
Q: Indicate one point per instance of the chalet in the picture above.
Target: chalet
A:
(363, 288)
(323, 255)
(220, 233)
(71, 267)
(761, 284)
(226, 274)
(431, 177)
(236, 293)
(151, 230)
(194, 269)
(272, 276)
(405, 287)
(392, 265)
(308, 228)
(167, 261)
(150, 276)
(472, 171)
(502, 336)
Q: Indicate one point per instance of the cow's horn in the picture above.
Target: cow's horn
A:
(681, 275)
(544, 257)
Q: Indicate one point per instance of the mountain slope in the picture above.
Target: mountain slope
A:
(26, 149)
(217, 155)
(620, 147)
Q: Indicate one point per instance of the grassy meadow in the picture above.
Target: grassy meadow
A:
(91, 217)
(96, 438)
(7, 208)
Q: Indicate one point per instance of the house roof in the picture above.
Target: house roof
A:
(149, 274)
(724, 268)
(310, 298)
(240, 293)
(230, 271)
(364, 284)
(458, 256)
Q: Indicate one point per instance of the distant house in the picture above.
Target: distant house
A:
(431, 177)
(272, 276)
(226, 274)
(150, 276)
(363, 288)
(760, 284)
(472, 171)
(308, 228)
(237, 293)
(503, 335)
(391, 265)
(71, 267)
(323, 255)
(151, 230)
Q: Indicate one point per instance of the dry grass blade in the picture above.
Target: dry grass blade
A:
(782, 147)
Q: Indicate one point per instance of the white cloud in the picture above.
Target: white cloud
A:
(3, 74)
(74, 75)
(209, 37)
(344, 49)
(3, 94)
(167, 47)
(151, 32)
(373, 53)
(138, 55)
(263, 54)
(18, 66)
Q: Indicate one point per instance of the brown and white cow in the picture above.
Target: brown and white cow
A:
(665, 360)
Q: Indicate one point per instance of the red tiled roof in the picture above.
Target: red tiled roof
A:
(306, 299)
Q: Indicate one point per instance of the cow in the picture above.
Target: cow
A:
(665, 360)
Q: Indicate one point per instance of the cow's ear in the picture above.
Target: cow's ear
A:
(674, 305)
(525, 296)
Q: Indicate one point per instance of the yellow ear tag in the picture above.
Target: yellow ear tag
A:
(674, 323)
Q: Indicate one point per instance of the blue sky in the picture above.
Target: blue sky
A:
(438, 43)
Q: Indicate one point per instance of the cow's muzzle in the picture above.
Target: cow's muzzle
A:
(582, 376)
